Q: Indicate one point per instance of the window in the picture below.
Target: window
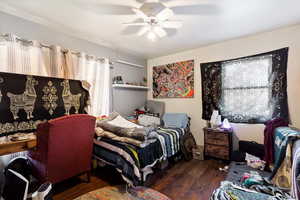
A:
(247, 89)
(252, 89)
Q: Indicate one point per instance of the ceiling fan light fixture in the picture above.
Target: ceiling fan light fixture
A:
(151, 36)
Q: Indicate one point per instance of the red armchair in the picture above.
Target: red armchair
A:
(64, 148)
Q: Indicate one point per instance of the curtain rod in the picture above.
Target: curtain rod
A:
(63, 50)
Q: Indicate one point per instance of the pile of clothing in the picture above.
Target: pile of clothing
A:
(253, 187)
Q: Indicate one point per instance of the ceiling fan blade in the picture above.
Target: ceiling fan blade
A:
(165, 14)
(172, 24)
(143, 30)
(159, 31)
(139, 13)
(203, 9)
(135, 24)
(140, 1)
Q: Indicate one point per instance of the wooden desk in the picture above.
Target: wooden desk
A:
(17, 146)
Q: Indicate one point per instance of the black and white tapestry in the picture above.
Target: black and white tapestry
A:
(26, 101)
(251, 89)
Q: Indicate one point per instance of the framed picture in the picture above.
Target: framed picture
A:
(174, 80)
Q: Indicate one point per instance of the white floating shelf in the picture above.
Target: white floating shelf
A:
(130, 64)
(126, 86)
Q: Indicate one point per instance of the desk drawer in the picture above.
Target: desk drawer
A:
(215, 151)
(217, 138)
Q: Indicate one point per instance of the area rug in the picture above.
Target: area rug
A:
(237, 170)
(122, 193)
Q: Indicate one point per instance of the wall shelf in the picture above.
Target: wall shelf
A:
(129, 63)
(126, 86)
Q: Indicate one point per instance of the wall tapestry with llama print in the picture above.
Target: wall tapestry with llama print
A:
(26, 101)
(174, 80)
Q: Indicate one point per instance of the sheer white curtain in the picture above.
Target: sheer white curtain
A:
(97, 73)
(23, 58)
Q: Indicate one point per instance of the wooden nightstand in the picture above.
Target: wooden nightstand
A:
(218, 143)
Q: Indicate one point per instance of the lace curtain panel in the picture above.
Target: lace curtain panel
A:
(32, 58)
(247, 90)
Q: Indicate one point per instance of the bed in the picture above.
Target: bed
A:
(133, 150)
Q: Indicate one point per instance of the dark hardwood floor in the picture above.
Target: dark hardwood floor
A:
(193, 180)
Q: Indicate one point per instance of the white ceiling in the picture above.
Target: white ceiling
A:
(204, 21)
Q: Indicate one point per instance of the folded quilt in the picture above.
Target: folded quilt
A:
(118, 125)
(107, 134)
(134, 133)
(102, 133)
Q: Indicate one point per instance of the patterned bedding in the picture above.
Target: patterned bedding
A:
(284, 137)
(134, 162)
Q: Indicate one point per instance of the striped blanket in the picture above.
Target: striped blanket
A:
(133, 162)
(170, 140)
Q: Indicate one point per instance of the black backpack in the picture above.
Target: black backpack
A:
(19, 183)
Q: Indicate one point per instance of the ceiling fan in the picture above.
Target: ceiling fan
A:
(153, 15)
(155, 19)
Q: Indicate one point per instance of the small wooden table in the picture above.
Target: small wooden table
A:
(17, 146)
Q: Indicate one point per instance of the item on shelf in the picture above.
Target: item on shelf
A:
(118, 80)
(134, 83)
(144, 82)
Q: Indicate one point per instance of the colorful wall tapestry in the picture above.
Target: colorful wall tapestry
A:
(26, 101)
(174, 80)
